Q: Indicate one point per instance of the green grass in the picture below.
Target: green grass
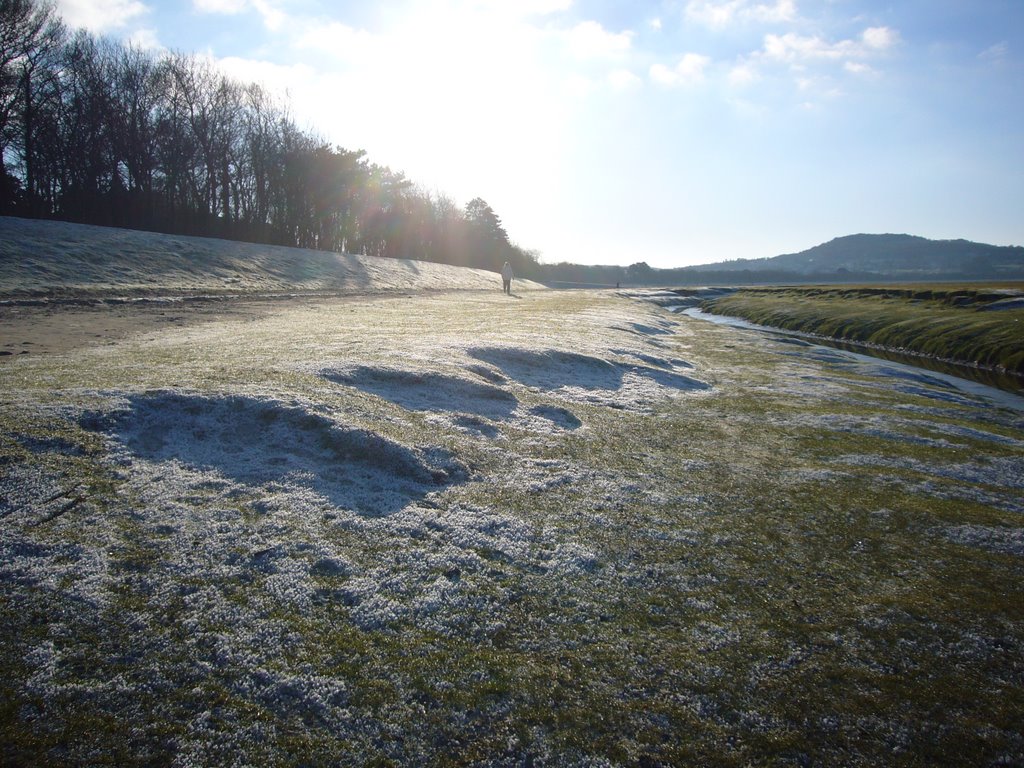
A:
(946, 322)
(764, 572)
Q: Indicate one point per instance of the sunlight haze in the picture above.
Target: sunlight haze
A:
(668, 132)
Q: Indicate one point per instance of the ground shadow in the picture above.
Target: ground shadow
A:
(559, 417)
(428, 391)
(670, 379)
(259, 442)
(550, 369)
(660, 362)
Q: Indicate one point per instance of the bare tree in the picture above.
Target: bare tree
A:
(140, 86)
(30, 38)
(259, 157)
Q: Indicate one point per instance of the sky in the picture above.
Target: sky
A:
(673, 132)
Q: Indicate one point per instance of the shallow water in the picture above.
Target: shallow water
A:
(1003, 389)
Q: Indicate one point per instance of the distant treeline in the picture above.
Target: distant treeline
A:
(97, 132)
(643, 274)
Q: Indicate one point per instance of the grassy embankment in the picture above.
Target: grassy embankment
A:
(959, 324)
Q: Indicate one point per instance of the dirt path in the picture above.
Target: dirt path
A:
(47, 329)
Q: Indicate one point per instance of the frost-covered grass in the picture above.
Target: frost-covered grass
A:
(565, 529)
(56, 259)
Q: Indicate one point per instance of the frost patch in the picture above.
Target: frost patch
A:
(49, 445)
(474, 425)
(1001, 472)
(428, 391)
(487, 373)
(824, 355)
(913, 377)
(470, 406)
(559, 417)
(661, 329)
(991, 483)
(491, 533)
(551, 369)
(273, 444)
(917, 384)
(814, 475)
(428, 575)
(982, 435)
(668, 379)
(882, 427)
(69, 569)
(945, 396)
(658, 362)
(570, 557)
(586, 379)
(1005, 540)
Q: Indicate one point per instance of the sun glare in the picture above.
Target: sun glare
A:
(461, 97)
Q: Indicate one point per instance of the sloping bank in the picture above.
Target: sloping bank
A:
(980, 326)
(61, 261)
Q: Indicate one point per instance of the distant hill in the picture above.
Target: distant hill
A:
(885, 256)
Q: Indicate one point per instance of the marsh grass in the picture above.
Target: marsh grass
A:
(756, 573)
(953, 323)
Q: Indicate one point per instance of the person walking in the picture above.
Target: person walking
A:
(506, 278)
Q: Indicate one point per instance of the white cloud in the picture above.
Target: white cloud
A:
(100, 15)
(662, 74)
(590, 40)
(792, 47)
(743, 73)
(580, 86)
(814, 62)
(721, 13)
(228, 7)
(996, 52)
(339, 39)
(713, 14)
(746, 109)
(783, 10)
(880, 38)
(537, 7)
(796, 49)
(623, 80)
(275, 77)
(858, 68)
(146, 40)
(688, 71)
(273, 18)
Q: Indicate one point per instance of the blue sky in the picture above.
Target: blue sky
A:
(674, 133)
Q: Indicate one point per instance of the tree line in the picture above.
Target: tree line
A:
(98, 132)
